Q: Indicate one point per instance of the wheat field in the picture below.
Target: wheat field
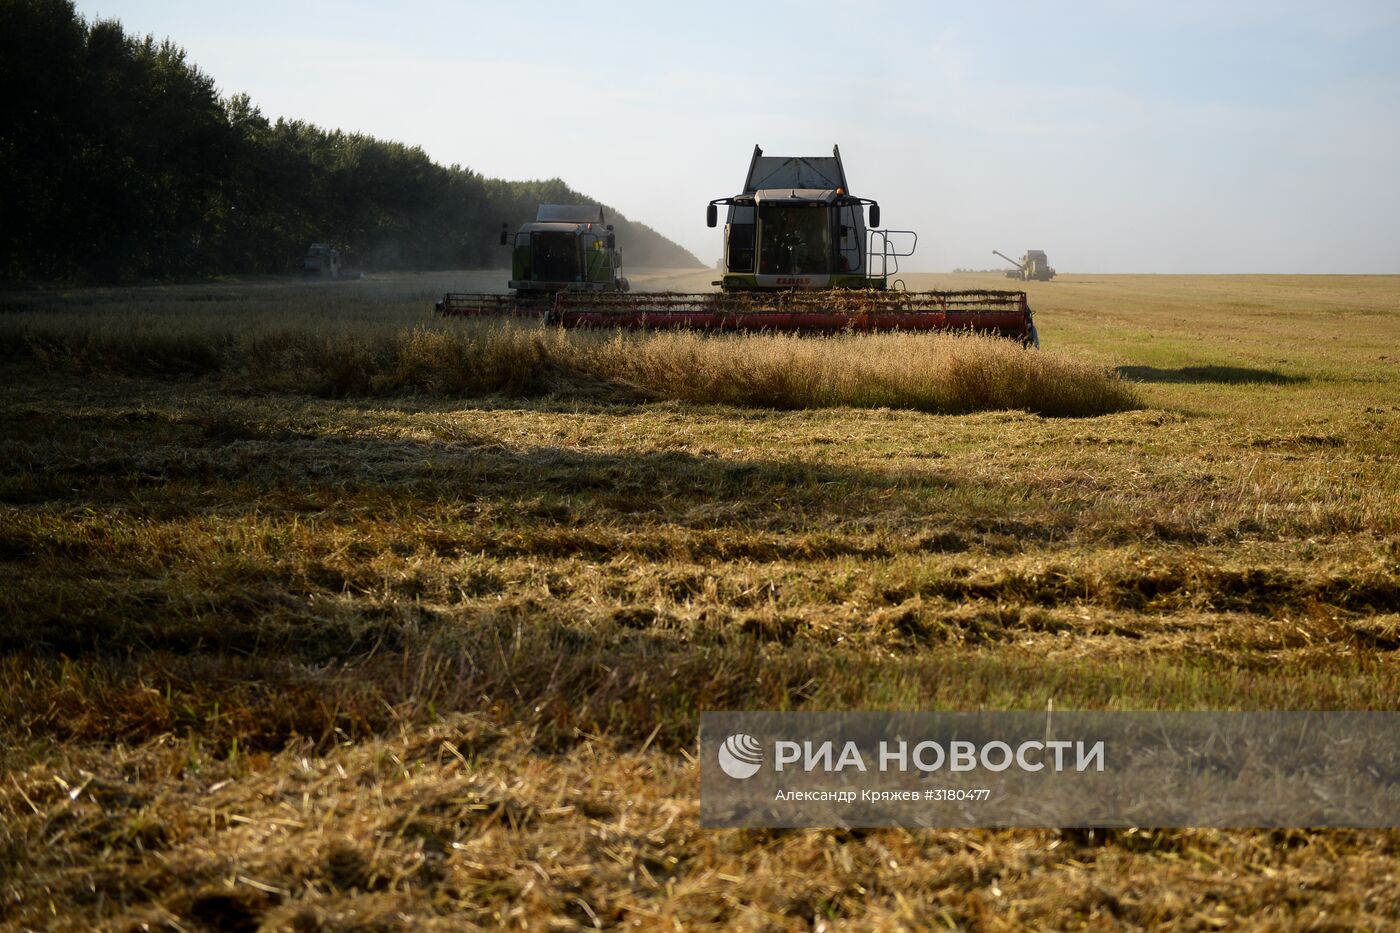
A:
(324, 614)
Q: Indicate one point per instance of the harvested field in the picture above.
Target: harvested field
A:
(321, 614)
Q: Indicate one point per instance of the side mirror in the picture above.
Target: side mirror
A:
(612, 240)
(610, 226)
(711, 216)
(505, 233)
(874, 215)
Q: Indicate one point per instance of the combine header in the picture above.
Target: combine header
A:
(798, 257)
(996, 312)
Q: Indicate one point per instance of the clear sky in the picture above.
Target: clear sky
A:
(1166, 136)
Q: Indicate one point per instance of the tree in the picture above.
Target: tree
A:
(119, 161)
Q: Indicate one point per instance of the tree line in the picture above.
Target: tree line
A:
(119, 161)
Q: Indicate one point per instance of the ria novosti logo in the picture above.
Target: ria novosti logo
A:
(740, 756)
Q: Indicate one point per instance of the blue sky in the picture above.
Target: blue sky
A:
(1118, 137)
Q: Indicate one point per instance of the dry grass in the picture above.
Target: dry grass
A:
(946, 374)
(934, 373)
(464, 825)
(417, 655)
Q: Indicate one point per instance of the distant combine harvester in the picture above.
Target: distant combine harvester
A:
(322, 262)
(1033, 267)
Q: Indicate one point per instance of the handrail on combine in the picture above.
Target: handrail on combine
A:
(888, 254)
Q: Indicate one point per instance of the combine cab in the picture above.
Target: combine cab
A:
(567, 248)
(795, 225)
(798, 257)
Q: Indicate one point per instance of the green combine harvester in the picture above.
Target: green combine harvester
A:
(798, 257)
(567, 248)
(1033, 266)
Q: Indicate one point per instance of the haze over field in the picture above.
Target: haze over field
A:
(1260, 137)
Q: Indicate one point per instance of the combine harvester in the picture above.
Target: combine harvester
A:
(798, 257)
(568, 248)
(1033, 267)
